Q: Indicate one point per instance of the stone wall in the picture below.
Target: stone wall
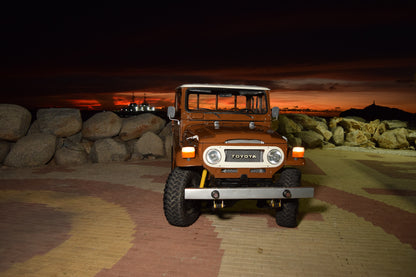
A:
(312, 132)
(59, 136)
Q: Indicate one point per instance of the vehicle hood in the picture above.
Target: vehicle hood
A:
(207, 133)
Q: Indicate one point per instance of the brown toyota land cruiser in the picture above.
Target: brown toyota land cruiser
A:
(224, 150)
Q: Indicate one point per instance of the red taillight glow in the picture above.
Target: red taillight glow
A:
(188, 152)
(298, 152)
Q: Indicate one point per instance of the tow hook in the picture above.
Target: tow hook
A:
(218, 204)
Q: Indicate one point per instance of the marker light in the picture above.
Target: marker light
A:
(298, 152)
(188, 152)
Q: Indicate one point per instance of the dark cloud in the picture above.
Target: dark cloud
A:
(52, 52)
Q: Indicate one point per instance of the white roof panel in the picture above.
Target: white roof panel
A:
(223, 86)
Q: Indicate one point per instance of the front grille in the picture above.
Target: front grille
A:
(243, 155)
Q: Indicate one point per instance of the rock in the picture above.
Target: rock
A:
(322, 129)
(356, 118)
(135, 126)
(338, 135)
(166, 131)
(393, 139)
(150, 144)
(411, 136)
(304, 120)
(76, 138)
(333, 122)
(32, 150)
(14, 121)
(371, 127)
(350, 124)
(168, 146)
(288, 126)
(4, 149)
(61, 122)
(294, 141)
(311, 139)
(395, 124)
(71, 154)
(87, 144)
(355, 138)
(381, 128)
(108, 150)
(326, 145)
(102, 125)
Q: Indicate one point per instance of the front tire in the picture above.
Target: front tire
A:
(287, 213)
(178, 211)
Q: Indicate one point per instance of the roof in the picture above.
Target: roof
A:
(223, 86)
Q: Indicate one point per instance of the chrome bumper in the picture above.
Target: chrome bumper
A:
(247, 193)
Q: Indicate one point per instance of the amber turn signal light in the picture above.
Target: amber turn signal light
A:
(188, 152)
(298, 152)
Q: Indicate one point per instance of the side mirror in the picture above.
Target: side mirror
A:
(275, 112)
(171, 112)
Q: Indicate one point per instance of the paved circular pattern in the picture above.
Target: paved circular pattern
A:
(114, 230)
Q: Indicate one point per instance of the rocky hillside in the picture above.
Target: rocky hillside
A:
(374, 112)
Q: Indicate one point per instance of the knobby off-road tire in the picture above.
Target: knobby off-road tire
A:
(287, 213)
(178, 211)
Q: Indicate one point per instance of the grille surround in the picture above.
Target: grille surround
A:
(258, 162)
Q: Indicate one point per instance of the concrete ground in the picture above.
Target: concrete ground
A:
(107, 220)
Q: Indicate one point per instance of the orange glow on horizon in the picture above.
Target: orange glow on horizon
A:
(89, 104)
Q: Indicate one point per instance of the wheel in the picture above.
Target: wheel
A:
(287, 213)
(178, 211)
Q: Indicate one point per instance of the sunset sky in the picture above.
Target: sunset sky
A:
(317, 56)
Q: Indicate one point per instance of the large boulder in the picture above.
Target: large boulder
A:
(4, 149)
(355, 138)
(322, 129)
(71, 154)
(14, 121)
(168, 146)
(395, 124)
(393, 139)
(109, 150)
(288, 126)
(150, 144)
(411, 136)
(61, 122)
(135, 126)
(102, 125)
(293, 141)
(370, 128)
(338, 135)
(381, 128)
(333, 122)
(350, 124)
(166, 131)
(311, 139)
(32, 150)
(304, 120)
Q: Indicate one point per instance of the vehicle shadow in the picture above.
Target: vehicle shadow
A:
(307, 210)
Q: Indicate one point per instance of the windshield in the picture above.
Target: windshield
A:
(231, 100)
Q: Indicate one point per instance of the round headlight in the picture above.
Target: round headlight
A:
(213, 156)
(274, 156)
